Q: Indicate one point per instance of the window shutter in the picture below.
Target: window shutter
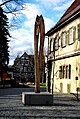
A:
(64, 72)
(61, 41)
(79, 32)
(74, 33)
(57, 42)
(69, 71)
(67, 37)
(54, 45)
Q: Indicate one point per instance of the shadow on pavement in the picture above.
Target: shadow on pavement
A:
(18, 90)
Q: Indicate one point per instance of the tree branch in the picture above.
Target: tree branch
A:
(5, 2)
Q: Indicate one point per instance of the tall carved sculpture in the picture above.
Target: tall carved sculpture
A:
(39, 34)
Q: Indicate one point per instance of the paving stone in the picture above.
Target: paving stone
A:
(11, 107)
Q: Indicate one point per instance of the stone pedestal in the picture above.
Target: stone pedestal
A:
(32, 98)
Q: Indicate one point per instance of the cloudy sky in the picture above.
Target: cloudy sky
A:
(23, 37)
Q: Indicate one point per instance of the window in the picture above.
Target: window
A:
(25, 69)
(29, 68)
(21, 68)
(22, 57)
(65, 72)
(63, 39)
(56, 43)
(26, 62)
(72, 35)
(68, 71)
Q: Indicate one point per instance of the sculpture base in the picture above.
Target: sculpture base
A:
(31, 98)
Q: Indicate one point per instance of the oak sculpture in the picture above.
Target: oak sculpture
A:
(39, 35)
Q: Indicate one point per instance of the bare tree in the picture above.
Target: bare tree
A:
(13, 7)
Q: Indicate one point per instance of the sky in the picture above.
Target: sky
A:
(23, 37)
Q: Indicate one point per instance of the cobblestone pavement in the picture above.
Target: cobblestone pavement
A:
(11, 107)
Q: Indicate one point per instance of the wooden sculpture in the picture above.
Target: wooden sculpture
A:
(39, 34)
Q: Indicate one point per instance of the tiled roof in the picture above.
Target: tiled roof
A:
(75, 6)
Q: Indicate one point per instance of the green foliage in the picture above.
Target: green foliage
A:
(4, 34)
(43, 85)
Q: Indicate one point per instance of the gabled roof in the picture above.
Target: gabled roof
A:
(29, 57)
(24, 55)
(71, 12)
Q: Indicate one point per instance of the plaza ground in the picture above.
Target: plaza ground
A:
(65, 106)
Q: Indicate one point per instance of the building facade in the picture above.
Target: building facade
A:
(24, 68)
(64, 52)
